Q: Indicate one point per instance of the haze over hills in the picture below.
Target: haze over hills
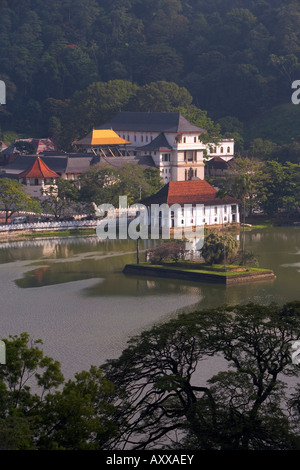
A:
(234, 58)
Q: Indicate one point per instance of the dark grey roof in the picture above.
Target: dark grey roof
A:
(79, 164)
(144, 161)
(155, 122)
(160, 142)
(62, 163)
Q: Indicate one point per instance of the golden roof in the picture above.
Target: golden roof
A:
(102, 137)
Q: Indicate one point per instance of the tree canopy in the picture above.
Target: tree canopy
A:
(158, 393)
(172, 401)
(235, 58)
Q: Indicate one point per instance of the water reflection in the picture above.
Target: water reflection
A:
(71, 292)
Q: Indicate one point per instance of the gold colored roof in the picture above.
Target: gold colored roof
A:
(102, 137)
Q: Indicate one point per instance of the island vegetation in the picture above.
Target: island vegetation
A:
(220, 260)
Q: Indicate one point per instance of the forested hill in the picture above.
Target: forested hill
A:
(235, 57)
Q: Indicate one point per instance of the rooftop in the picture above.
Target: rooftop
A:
(189, 192)
(156, 122)
(159, 143)
(38, 169)
(105, 137)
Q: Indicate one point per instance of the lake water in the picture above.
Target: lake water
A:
(72, 294)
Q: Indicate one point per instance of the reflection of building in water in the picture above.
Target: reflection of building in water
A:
(40, 274)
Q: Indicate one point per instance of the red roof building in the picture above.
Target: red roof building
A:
(36, 177)
(215, 210)
(189, 192)
(38, 170)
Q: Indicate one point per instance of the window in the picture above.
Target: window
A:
(135, 138)
(142, 138)
(222, 149)
(228, 149)
(165, 157)
(128, 138)
(216, 210)
(146, 138)
(233, 208)
(184, 140)
(195, 139)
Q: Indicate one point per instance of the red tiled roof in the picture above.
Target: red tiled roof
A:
(189, 192)
(38, 169)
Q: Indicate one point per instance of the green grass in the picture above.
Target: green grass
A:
(174, 267)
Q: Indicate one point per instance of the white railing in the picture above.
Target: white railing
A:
(56, 225)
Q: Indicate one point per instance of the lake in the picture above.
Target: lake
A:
(72, 294)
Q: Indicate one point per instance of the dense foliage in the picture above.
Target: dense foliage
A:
(235, 57)
(158, 393)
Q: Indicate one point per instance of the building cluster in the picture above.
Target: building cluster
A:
(165, 141)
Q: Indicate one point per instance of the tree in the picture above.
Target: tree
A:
(13, 198)
(99, 185)
(279, 188)
(216, 247)
(160, 96)
(26, 368)
(104, 184)
(170, 250)
(60, 199)
(80, 417)
(39, 411)
(239, 408)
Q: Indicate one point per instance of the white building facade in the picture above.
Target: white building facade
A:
(170, 141)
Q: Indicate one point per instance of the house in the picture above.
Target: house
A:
(68, 166)
(103, 142)
(217, 167)
(168, 140)
(197, 204)
(37, 178)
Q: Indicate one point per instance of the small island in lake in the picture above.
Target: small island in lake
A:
(197, 271)
(169, 260)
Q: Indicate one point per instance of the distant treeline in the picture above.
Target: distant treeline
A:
(235, 57)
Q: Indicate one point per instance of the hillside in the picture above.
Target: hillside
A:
(234, 57)
(280, 124)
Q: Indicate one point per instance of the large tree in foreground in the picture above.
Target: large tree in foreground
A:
(175, 404)
(39, 411)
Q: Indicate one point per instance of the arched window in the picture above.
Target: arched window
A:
(228, 149)
(222, 150)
